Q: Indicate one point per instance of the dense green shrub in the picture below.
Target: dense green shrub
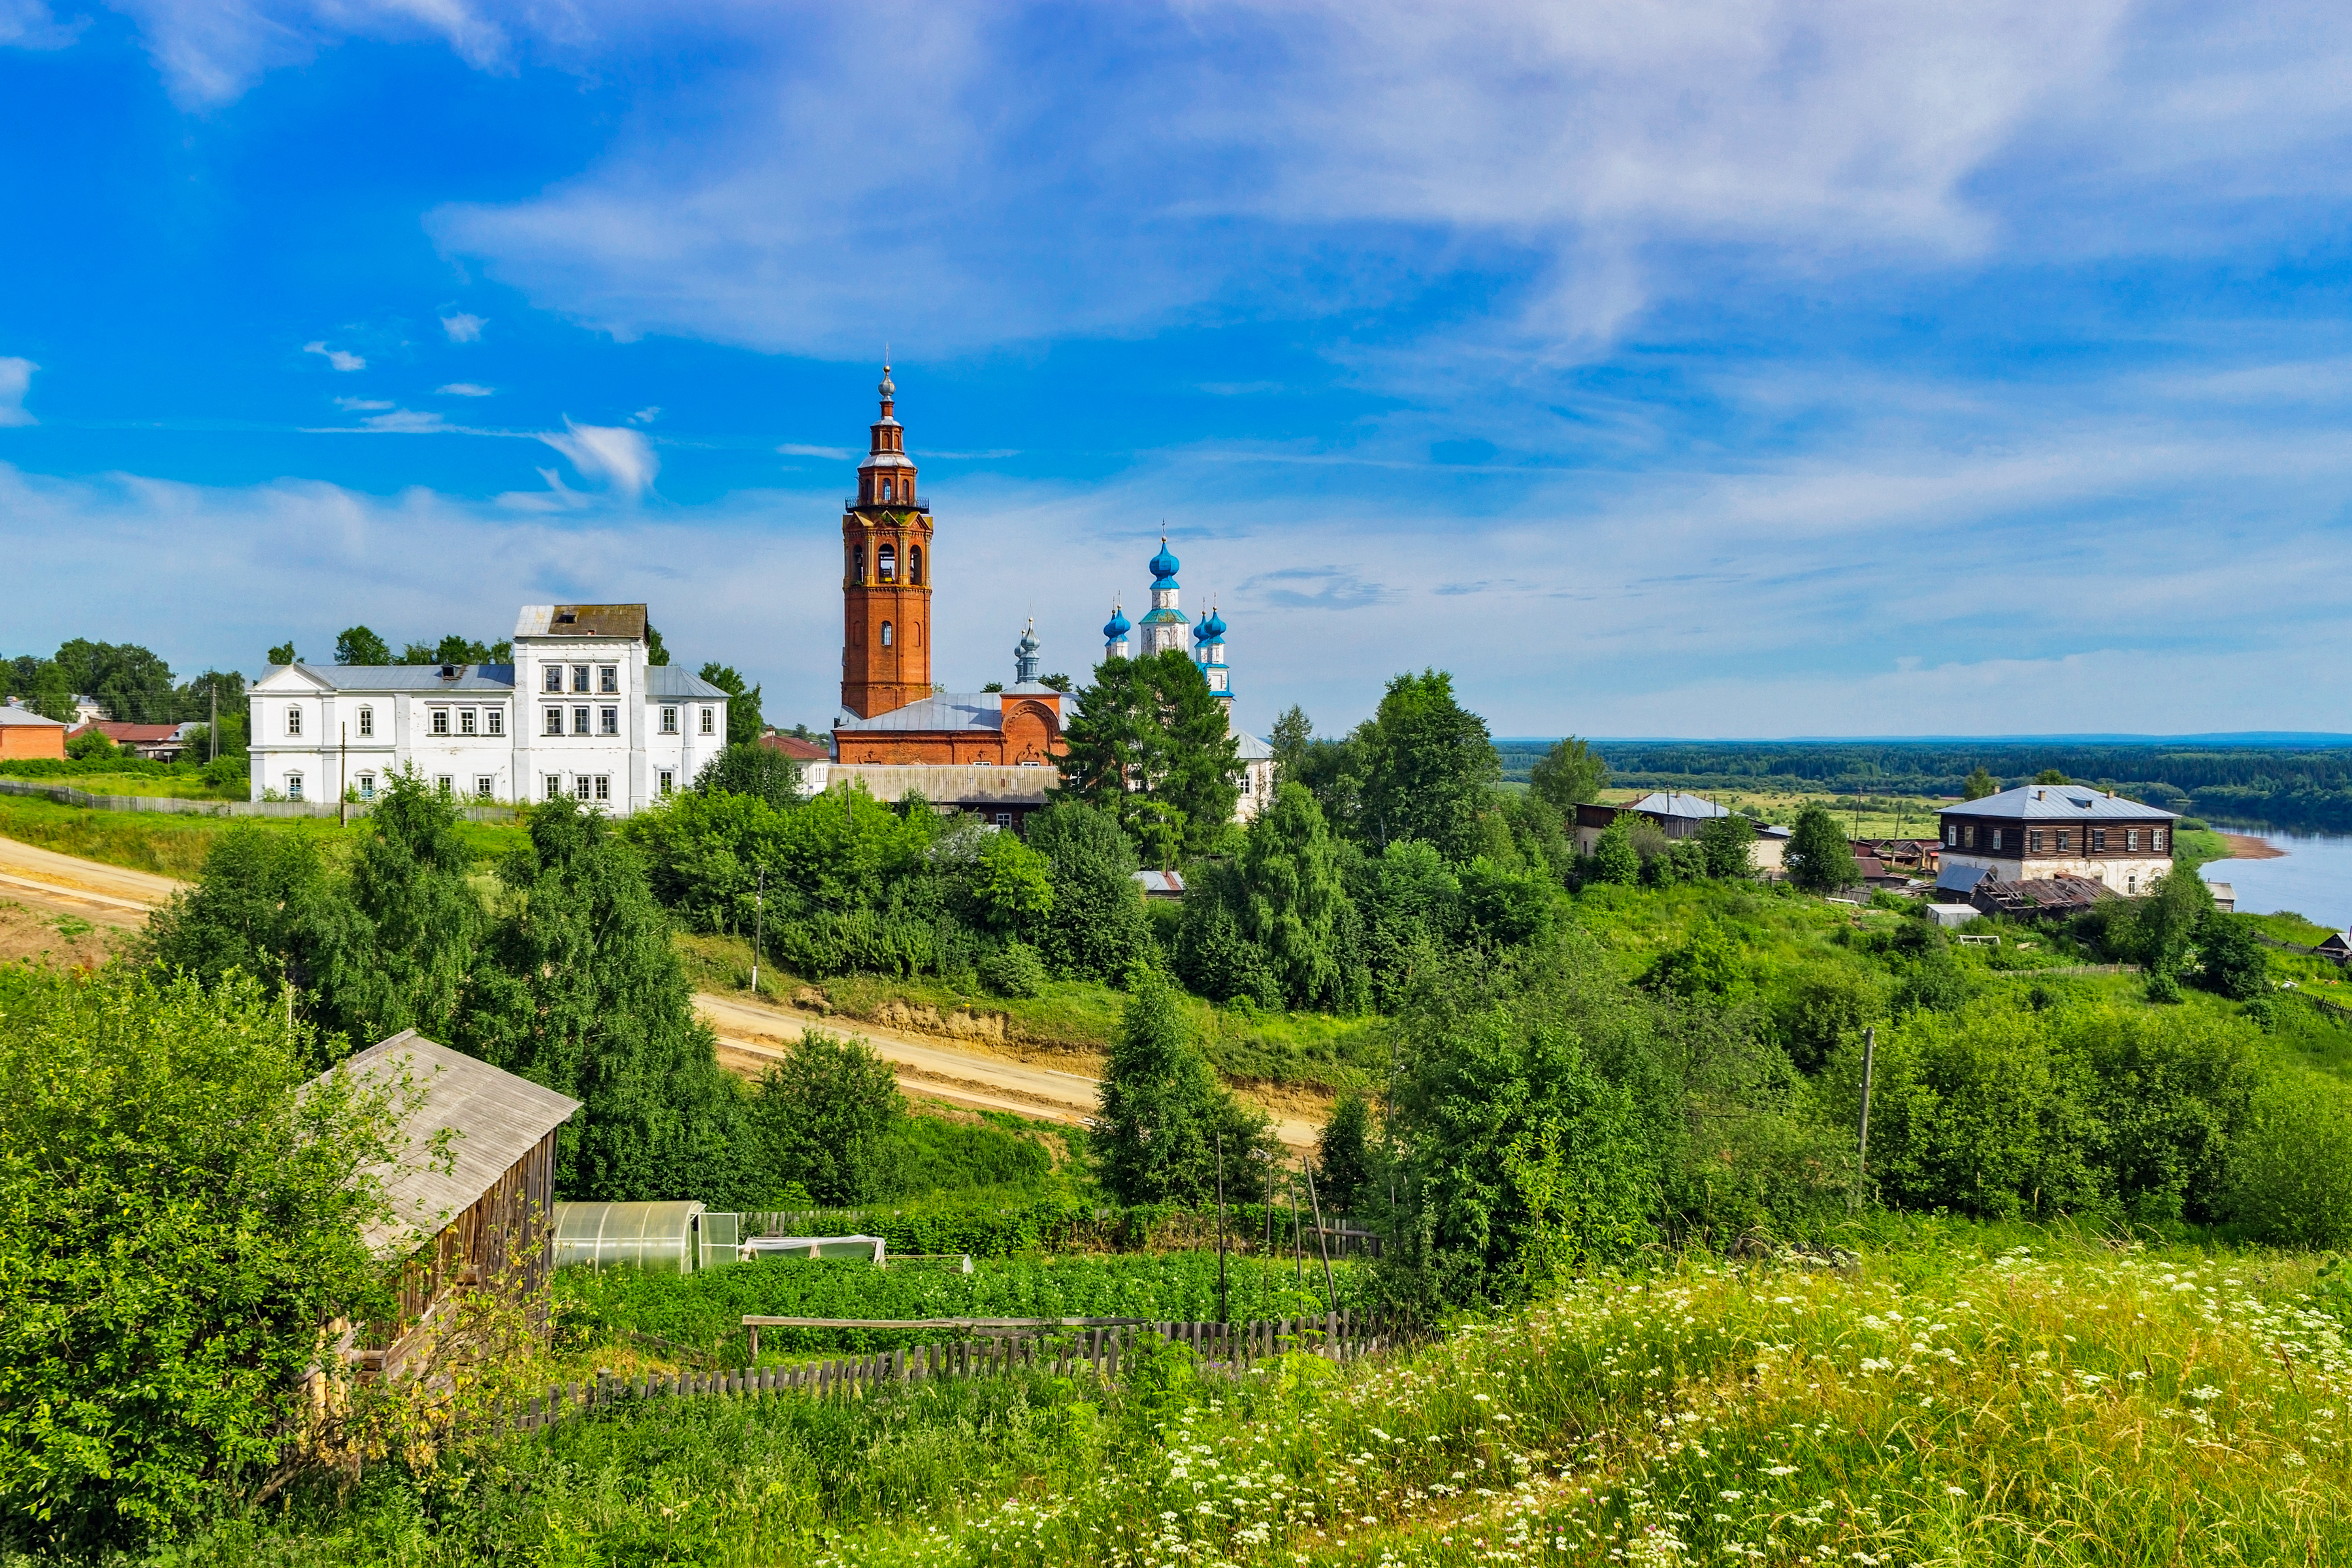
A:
(823, 1119)
(1095, 927)
(1276, 923)
(2290, 1177)
(749, 768)
(179, 1220)
(1343, 1155)
(1014, 970)
(1163, 1111)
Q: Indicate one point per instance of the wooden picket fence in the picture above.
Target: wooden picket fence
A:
(1067, 1347)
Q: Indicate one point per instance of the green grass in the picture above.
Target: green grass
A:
(2193, 847)
(1964, 1395)
(174, 785)
(1306, 1049)
(175, 845)
(702, 1312)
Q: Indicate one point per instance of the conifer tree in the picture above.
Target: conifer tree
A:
(1162, 1108)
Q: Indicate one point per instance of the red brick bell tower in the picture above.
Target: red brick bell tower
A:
(886, 585)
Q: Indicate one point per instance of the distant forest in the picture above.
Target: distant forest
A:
(2283, 786)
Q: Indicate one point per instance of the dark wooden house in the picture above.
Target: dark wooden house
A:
(481, 1218)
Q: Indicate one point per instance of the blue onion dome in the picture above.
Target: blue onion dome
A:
(1028, 643)
(1163, 566)
(1214, 628)
(1117, 626)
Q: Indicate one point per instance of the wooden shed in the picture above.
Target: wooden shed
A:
(480, 1217)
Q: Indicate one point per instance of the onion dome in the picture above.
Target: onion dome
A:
(1163, 566)
(1117, 627)
(887, 389)
(1212, 627)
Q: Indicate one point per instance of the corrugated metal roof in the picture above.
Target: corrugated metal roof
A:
(1668, 803)
(1250, 749)
(412, 677)
(669, 680)
(26, 716)
(957, 710)
(497, 1119)
(581, 621)
(2058, 803)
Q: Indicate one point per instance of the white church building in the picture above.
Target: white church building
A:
(580, 713)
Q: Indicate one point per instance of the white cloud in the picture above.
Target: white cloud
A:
(211, 51)
(621, 458)
(410, 421)
(837, 453)
(645, 415)
(338, 358)
(362, 404)
(31, 25)
(15, 381)
(464, 389)
(463, 328)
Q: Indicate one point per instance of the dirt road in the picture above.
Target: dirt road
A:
(929, 1067)
(106, 895)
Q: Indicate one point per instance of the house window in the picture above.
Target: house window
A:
(497, 718)
(466, 721)
(555, 721)
(670, 720)
(440, 723)
(604, 786)
(709, 718)
(367, 786)
(2131, 840)
(2098, 838)
(886, 563)
(1951, 835)
(554, 677)
(552, 783)
(580, 677)
(484, 784)
(608, 679)
(1968, 835)
(580, 786)
(2131, 885)
(293, 787)
(668, 781)
(914, 564)
(885, 633)
(2034, 841)
(580, 720)
(448, 786)
(2158, 843)
(367, 722)
(293, 720)
(1004, 820)
(608, 720)
(1996, 840)
(2066, 839)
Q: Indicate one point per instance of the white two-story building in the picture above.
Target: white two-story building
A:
(579, 712)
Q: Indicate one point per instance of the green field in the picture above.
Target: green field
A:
(1960, 1394)
(175, 845)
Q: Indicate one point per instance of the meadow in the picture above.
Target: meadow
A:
(1947, 1393)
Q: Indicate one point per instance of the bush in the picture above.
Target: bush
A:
(824, 1119)
(1343, 1155)
(179, 1222)
(2291, 1166)
(1163, 1110)
(1014, 970)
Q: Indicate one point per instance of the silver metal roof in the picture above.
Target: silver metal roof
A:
(669, 680)
(954, 710)
(416, 677)
(496, 1117)
(2058, 803)
(1668, 803)
(1250, 748)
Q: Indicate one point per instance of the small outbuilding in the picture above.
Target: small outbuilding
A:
(1951, 915)
(479, 1217)
(26, 735)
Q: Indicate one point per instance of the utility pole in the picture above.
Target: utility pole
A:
(343, 776)
(1224, 1314)
(758, 909)
(1862, 1147)
(1322, 1239)
(211, 731)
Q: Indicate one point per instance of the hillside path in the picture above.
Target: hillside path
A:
(109, 895)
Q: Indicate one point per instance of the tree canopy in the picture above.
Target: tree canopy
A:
(1571, 774)
(743, 720)
(1150, 746)
(1429, 766)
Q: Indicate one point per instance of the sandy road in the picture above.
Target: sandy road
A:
(750, 1034)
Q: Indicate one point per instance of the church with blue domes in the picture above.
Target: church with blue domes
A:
(1165, 629)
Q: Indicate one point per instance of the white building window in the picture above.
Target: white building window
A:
(668, 781)
(2160, 839)
(670, 720)
(604, 786)
(1952, 834)
(554, 682)
(466, 721)
(440, 722)
(447, 785)
(293, 720)
(580, 786)
(555, 721)
(608, 679)
(485, 785)
(497, 719)
(709, 716)
(293, 787)
(552, 784)
(2131, 840)
(608, 720)
(367, 724)
(580, 720)
(580, 678)
(367, 786)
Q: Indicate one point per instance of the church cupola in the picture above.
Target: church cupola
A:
(1115, 630)
(1163, 624)
(1025, 656)
(886, 585)
(1209, 654)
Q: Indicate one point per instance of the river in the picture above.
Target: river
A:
(2314, 878)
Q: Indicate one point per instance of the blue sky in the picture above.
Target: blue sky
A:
(1742, 369)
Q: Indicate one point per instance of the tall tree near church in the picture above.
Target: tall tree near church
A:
(1430, 767)
(742, 706)
(1150, 746)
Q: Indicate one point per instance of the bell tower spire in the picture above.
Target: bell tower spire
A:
(886, 586)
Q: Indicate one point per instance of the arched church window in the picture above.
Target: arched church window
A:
(914, 564)
(885, 561)
(886, 490)
(885, 633)
(858, 564)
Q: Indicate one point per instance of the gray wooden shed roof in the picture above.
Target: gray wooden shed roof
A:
(494, 1117)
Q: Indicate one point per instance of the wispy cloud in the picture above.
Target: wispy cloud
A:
(211, 51)
(409, 422)
(801, 449)
(645, 415)
(31, 25)
(15, 382)
(363, 404)
(463, 328)
(620, 457)
(338, 358)
(464, 389)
